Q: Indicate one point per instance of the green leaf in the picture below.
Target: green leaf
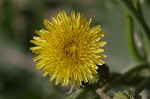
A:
(126, 94)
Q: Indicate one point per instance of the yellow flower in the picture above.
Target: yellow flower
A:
(69, 50)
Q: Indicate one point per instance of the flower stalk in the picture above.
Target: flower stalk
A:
(139, 20)
(142, 85)
(130, 36)
(125, 75)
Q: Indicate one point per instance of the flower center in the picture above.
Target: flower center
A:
(71, 51)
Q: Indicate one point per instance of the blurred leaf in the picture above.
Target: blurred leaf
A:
(18, 83)
(8, 14)
(126, 94)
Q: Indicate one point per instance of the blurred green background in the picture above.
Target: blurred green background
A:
(20, 18)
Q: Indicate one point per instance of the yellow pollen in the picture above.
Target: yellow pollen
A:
(71, 50)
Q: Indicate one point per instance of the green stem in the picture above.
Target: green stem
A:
(142, 85)
(81, 95)
(137, 6)
(125, 75)
(140, 21)
(130, 37)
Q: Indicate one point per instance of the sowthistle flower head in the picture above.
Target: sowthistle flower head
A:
(69, 50)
